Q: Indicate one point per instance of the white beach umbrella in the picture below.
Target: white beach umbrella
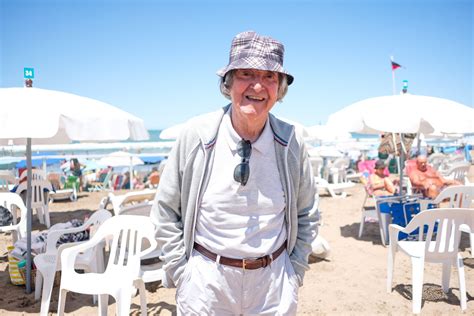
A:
(46, 116)
(300, 129)
(120, 159)
(405, 113)
(327, 133)
(325, 151)
(172, 132)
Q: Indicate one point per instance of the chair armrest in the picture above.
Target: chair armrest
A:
(54, 235)
(425, 202)
(69, 253)
(393, 230)
(9, 228)
(153, 245)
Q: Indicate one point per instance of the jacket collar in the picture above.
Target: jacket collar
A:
(207, 131)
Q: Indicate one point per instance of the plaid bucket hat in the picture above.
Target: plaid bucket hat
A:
(250, 50)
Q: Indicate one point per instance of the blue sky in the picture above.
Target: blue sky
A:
(157, 59)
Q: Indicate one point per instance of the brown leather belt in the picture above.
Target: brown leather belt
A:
(249, 264)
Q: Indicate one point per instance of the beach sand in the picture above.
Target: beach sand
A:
(351, 281)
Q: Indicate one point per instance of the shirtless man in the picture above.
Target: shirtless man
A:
(428, 180)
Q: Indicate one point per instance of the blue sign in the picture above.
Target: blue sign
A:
(28, 73)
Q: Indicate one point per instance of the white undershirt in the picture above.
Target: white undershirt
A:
(239, 221)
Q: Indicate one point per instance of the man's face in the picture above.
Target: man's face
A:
(253, 93)
(422, 164)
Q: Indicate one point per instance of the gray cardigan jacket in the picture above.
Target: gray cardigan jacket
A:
(180, 191)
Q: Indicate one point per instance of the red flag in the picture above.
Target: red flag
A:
(395, 65)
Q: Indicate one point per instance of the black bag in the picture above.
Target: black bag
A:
(6, 217)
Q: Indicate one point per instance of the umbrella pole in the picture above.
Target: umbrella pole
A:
(28, 216)
(131, 173)
(402, 164)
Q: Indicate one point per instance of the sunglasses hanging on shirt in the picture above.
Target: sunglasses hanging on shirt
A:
(242, 170)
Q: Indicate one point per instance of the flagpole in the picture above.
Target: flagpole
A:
(393, 81)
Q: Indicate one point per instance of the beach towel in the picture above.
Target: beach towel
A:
(6, 217)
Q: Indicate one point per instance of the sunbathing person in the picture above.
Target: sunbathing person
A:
(380, 183)
(427, 180)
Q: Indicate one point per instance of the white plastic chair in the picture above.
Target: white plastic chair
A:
(149, 272)
(441, 246)
(372, 213)
(457, 196)
(436, 160)
(458, 172)
(36, 174)
(49, 262)
(131, 199)
(128, 233)
(334, 189)
(12, 202)
(39, 198)
(317, 165)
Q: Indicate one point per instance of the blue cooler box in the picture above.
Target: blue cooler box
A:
(401, 213)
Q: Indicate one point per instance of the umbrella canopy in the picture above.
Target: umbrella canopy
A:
(325, 151)
(46, 116)
(300, 129)
(327, 133)
(120, 159)
(405, 113)
(55, 117)
(172, 132)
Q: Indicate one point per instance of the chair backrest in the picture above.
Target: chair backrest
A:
(437, 159)
(13, 202)
(129, 233)
(92, 224)
(36, 174)
(458, 171)
(131, 198)
(38, 187)
(439, 229)
(457, 196)
(317, 165)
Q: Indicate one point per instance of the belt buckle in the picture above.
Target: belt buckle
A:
(244, 263)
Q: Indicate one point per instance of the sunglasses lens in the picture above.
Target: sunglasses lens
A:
(244, 147)
(241, 173)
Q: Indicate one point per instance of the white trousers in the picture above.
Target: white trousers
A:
(209, 288)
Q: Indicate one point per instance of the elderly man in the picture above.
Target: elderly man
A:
(236, 208)
(427, 179)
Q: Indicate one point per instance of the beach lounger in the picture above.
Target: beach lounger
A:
(68, 190)
(333, 189)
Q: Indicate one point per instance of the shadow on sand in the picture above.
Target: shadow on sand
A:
(432, 293)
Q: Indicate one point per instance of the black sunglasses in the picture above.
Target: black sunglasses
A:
(242, 170)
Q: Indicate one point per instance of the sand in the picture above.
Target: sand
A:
(351, 281)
